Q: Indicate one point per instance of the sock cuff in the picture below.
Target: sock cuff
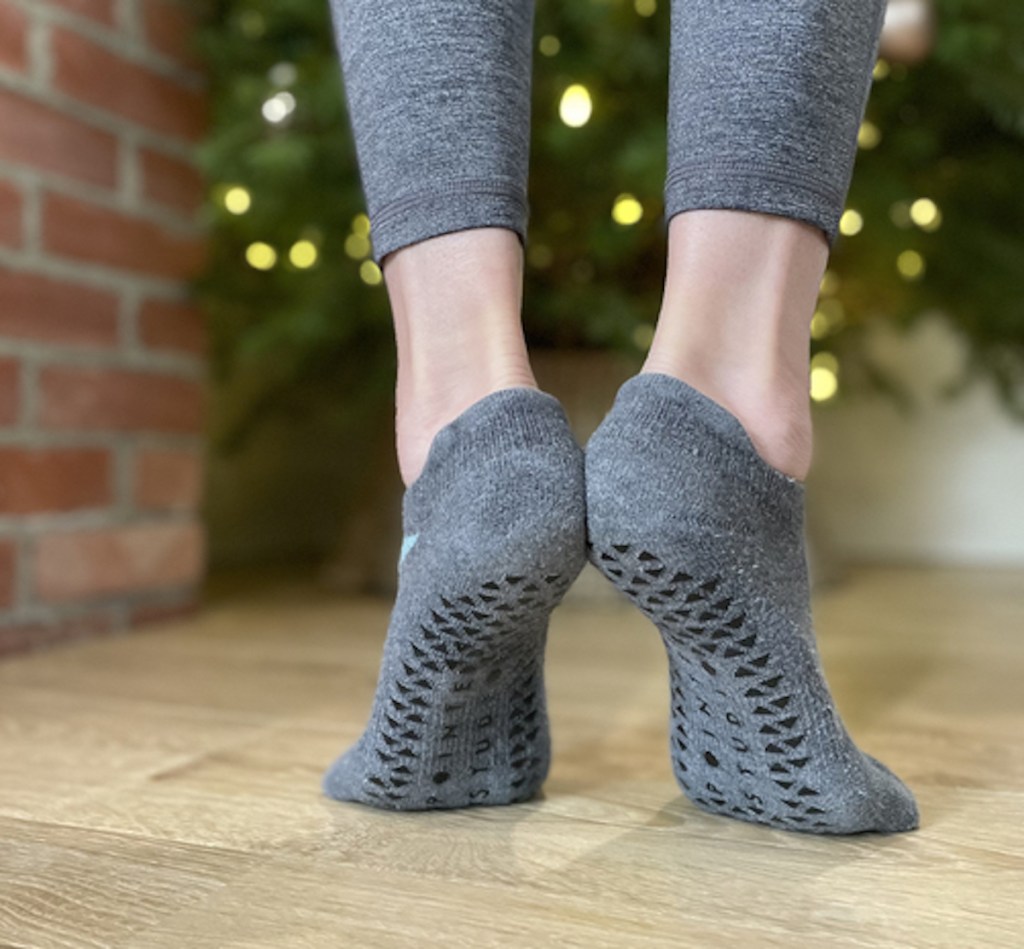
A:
(660, 406)
(499, 424)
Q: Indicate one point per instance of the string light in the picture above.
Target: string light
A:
(645, 7)
(576, 106)
(910, 265)
(283, 74)
(357, 246)
(370, 273)
(881, 70)
(237, 200)
(828, 317)
(303, 254)
(278, 107)
(851, 222)
(925, 214)
(260, 256)
(824, 376)
(361, 225)
(868, 135)
(549, 45)
(627, 210)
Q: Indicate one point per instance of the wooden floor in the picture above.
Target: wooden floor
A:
(161, 790)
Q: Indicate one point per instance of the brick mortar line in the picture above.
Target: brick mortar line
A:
(127, 198)
(96, 117)
(128, 18)
(126, 38)
(29, 394)
(123, 480)
(32, 216)
(24, 575)
(120, 605)
(97, 276)
(129, 310)
(92, 519)
(129, 169)
(101, 276)
(40, 63)
(149, 361)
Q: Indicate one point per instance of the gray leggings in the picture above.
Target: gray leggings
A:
(765, 98)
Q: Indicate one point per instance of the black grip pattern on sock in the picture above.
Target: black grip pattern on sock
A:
(465, 723)
(746, 727)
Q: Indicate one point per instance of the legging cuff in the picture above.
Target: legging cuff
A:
(444, 208)
(724, 185)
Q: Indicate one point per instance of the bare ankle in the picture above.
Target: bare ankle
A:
(456, 301)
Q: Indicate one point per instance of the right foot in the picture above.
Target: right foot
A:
(494, 536)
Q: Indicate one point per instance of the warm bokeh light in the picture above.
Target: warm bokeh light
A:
(819, 325)
(925, 214)
(645, 7)
(278, 107)
(357, 246)
(303, 254)
(851, 223)
(824, 376)
(361, 225)
(576, 106)
(910, 264)
(829, 283)
(824, 383)
(881, 70)
(868, 135)
(827, 319)
(627, 210)
(370, 273)
(260, 256)
(237, 199)
(549, 45)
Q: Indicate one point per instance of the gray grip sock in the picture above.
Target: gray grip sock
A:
(494, 536)
(706, 538)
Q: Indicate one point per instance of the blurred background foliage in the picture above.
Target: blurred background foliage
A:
(298, 310)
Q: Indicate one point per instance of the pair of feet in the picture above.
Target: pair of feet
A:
(674, 505)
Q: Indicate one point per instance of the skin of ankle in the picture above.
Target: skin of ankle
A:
(456, 300)
(740, 290)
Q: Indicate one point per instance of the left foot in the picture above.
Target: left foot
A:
(689, 521)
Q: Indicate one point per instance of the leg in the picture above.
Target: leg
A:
(695, 503)
(438, 99)
(735, 322)
(456, 300)
(765, 102)
(438, 95)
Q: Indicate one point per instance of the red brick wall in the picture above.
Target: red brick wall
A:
(101, 351)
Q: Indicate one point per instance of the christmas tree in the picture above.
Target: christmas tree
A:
(934, 218)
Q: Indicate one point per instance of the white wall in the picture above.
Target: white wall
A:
(943, 484)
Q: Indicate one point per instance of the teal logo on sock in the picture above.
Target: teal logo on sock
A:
(408, 542)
